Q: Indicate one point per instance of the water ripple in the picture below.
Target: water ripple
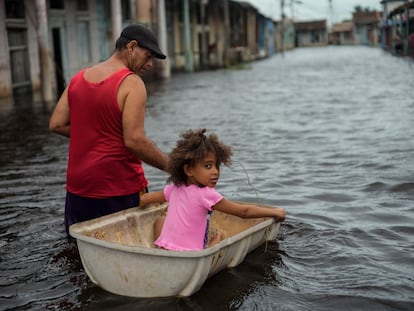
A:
(322, 132)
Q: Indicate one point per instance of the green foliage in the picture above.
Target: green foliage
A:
(359, 8)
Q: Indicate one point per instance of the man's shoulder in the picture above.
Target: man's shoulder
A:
(132, 83)
(132, 78)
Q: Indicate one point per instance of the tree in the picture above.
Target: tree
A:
(359, 9)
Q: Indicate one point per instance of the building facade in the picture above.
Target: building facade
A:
(48, 41)
(312, 33)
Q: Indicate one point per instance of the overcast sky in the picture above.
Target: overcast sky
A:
(316, 9)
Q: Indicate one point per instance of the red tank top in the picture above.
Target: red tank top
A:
(99, 164)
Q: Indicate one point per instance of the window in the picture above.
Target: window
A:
(315, 36)
(126, 10)
(198, 9)
(19, 60)
(14, 9)
(82, 5)
(57, 4)
(84, 43)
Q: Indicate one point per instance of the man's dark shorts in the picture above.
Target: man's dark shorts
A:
(78, 209)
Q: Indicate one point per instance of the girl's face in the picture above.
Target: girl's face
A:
(204, 173)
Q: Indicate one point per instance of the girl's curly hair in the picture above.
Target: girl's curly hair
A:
(193, 147)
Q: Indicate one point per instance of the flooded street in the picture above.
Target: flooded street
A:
(326, 133)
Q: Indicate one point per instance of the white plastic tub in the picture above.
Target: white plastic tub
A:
(118, 252)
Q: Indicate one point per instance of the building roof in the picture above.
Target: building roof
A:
(365, 18)
(255, 5)
(311, 25)
(402, 8)
(343, 27)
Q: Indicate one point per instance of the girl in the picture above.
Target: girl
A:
(195, 170)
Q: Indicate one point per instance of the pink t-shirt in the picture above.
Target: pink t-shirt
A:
(186, 225)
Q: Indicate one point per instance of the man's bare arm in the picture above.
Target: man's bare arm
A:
(60, 119)
(133, 97)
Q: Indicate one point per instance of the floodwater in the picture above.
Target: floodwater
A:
(326, 133)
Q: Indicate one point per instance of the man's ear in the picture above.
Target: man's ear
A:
(187, 170)
(132, 44)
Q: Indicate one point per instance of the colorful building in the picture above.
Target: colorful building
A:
(311, 33)
(366, 27)
(342, 34)
(397, 27)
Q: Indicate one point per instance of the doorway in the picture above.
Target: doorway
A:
(57, 52)
(19, 61)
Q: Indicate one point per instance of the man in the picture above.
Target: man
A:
(102, 112)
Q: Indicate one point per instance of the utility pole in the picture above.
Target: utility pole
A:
(227, 34)
(331, 15)
(384, 21)
(407, 28)
(292, 7)
(282, 30)
(162, 38)
(189, 64)
(203, 34)
(116, 15)
(44, 51)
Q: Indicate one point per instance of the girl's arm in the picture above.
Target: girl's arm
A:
(152, 197)
(249, 210)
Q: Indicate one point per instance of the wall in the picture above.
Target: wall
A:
(5, 77)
